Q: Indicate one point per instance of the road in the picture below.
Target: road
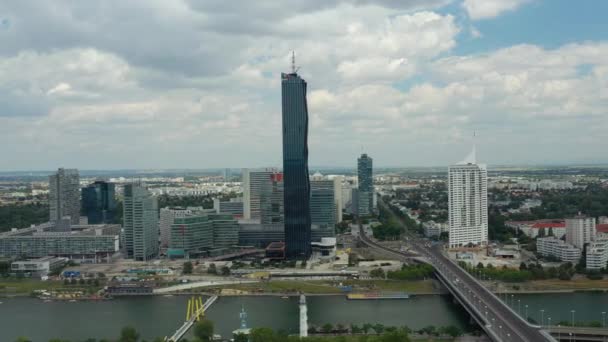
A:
(499, 319)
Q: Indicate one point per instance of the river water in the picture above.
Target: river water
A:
(160, 316)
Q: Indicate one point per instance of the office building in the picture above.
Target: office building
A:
(322, 203)
(365, 195)
(271, 200)
(225, 231)
(233, 207)
(580, 230)
(258, 235)
(167, 218)
(468, 203)
(140, 216)
(339, 203)
(192, 234)
(64, 195)
(553, 247)
(99, 203)
(253, 182)
(81, 243)
(296, 183)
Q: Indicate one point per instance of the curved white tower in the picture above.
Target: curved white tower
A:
(303, 317)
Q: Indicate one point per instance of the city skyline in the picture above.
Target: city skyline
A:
(439, 70)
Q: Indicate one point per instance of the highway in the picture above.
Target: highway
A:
(497, 319)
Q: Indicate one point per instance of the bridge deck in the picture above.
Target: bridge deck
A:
(498, 320)
(183, 329)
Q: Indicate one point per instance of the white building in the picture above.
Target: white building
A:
(468, 202)
(64, 195)
(432, 228)
(580, 230)
(597, 255)
(253, 181)
(38, 267)
(552, 246)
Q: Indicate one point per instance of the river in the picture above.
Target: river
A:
(160, 316)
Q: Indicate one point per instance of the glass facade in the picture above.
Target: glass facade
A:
(98, 202)
(296, 183)
(365, 200)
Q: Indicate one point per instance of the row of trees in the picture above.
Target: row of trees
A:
(524, 273)
(380, 329)
(407, 272)
(23, 215)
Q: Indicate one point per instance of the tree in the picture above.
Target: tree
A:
(523, 266)
(240, 338)
(203, 330)
(225, 271)
(187, 267)
(377, 273)
(128, 334)
(378, 328)
(452, 331)
(327, 328)
(211, 269)
(23, 339)
(262, 335)
(352, 259)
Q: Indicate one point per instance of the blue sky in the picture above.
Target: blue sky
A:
(190, 84)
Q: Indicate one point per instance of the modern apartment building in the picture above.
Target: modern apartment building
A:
(597, 255)
(554, 247)
(468, 203)
(64, 195)
(580, 230)
(140, 215)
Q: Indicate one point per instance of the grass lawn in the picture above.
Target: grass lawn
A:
(418, 286)
(20, 286)
(327, 287)
(556, 284)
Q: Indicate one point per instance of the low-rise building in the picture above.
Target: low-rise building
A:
(540, 228)
(38, 267)
(80, 243)
(553, 247)
(431, 228)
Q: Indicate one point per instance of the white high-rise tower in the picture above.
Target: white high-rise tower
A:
(468, 202)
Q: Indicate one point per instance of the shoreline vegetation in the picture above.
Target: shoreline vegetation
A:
(27, 287)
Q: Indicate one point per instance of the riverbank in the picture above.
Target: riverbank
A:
(321, 287)
(553, 286)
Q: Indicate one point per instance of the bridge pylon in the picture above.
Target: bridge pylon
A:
(195, 309)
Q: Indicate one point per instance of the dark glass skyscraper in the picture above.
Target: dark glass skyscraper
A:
(296, 183)
(98, 202)
(365, 201)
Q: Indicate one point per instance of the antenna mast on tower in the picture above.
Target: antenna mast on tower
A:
(293, 62)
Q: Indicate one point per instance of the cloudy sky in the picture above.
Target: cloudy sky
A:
(196, 84)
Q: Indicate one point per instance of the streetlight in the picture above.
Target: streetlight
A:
(519, 306)
(603, 319)
(572, 312)
(526, 313)
(512, 300)
(542, 320)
